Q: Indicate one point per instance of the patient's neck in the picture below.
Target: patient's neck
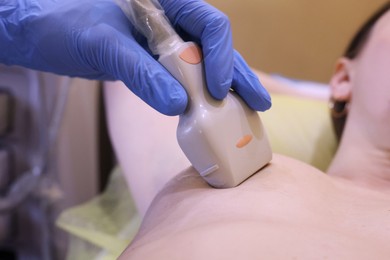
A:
(362, 162)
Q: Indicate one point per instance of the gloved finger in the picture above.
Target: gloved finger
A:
(114, 53)
(248, 86)
(152, 83)
(212, 28)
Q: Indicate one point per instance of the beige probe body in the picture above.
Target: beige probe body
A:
(224, 140)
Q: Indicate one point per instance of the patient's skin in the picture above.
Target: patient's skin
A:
(286, 211)
(289, 210)
(363, 155)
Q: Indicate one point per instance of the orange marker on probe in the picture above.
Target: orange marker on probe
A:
(223, 139)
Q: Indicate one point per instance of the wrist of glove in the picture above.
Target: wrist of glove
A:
(93, 39)
(49, 35)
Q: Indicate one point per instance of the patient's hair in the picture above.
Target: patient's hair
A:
(361, 35)
(353, 50)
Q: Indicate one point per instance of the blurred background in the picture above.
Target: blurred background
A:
(54, 127)
(299, 39)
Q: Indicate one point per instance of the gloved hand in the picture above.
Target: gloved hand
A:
(93, 39)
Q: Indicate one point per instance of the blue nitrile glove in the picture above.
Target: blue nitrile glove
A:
(93, 39)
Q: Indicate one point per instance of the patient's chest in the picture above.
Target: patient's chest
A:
(276, 214)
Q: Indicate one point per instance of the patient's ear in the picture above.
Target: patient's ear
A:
(340, 83)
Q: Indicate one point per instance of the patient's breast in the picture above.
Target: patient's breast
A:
(287, 209)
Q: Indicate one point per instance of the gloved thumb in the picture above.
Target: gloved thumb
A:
(150, 81)
(122, 57)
